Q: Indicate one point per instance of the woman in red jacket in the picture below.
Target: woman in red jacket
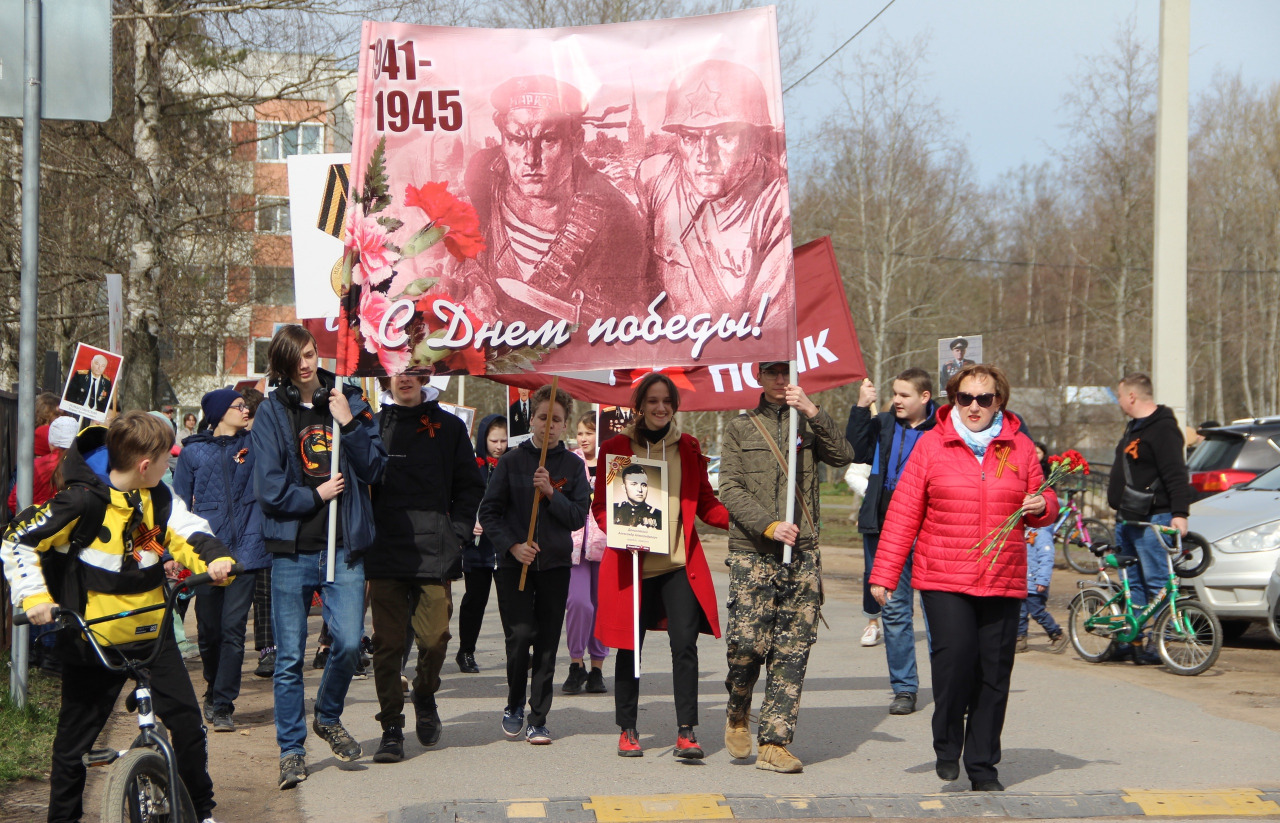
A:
(675, 588)
(965, 477)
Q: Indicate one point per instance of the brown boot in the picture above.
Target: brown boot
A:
(775, 758)
(737, 737)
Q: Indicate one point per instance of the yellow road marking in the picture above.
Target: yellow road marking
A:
(1191, 804)
(640, 809)
(932, 804)
(526, 809)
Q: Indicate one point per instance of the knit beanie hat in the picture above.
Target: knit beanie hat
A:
(62, 432)
(215, 404)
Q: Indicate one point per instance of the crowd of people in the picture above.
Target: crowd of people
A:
(413, 504)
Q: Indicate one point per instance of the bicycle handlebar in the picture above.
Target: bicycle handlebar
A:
(21, 619)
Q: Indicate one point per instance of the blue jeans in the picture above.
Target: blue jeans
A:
(294, 577)
(222, 613)
(870, 608)
(896, 619)
(1034, 607)
(1148, 577)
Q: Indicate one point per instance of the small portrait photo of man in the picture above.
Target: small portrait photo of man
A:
(91, 382)
(954, 353)
(635, 510)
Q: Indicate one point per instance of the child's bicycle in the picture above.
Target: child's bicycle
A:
(1187, 635)
(1076, 533)
(139, 785)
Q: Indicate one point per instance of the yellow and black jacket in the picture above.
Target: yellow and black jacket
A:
(118, 570)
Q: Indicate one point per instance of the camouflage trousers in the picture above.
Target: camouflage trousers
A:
(773, 621)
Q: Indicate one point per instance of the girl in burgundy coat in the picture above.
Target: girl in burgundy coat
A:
(675, 589)
(967, 475)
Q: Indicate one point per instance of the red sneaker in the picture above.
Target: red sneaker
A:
(629, 744)
(687, 747)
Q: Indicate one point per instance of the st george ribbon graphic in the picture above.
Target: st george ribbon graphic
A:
(564, 200)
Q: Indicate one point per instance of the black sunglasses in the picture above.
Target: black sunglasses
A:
(984, 400)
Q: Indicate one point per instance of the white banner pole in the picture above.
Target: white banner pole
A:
(793, 429)
(333, 504)
(635, 607)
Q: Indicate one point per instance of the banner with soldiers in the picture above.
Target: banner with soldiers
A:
(567, 199)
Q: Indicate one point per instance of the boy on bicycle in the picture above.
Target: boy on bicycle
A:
(113, 478)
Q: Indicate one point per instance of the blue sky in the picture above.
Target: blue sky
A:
(1000, 68)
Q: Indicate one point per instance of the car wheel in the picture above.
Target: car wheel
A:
(1273, 623)
(1233, 630)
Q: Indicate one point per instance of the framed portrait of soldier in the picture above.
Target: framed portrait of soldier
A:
(636, 503)
(91, 383)
(466, 414)
(954, 353)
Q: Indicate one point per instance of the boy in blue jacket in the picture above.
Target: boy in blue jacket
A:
(535, 615)
(214, 477)
(291, 442)
(1039, 574)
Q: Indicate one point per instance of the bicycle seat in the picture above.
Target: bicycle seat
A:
(1124, 561)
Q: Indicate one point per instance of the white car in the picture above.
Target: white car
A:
(1273, 603)
(1243, 526)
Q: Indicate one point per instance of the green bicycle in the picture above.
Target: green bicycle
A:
(1187, 635)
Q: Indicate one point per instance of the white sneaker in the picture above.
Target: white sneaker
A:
(871, 637)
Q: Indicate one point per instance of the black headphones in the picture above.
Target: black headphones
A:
(292, 396)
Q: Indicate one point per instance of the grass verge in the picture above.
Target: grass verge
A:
(26, 734)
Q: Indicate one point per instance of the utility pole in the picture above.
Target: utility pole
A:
(1169, 287)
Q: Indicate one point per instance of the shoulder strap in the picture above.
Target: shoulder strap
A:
(93, 511)
(782, 462)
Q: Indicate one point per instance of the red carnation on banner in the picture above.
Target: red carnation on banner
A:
(455, 220)
(1060, 466)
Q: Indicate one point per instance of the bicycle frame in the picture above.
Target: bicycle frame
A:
(1128, 625)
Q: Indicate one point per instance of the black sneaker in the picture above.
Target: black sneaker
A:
(222, 721)
(207, 708)
(362, 668)
(428, 723)
(339, 739)
(595, 682)
(467, 663)
(903, 703)
(512, 722)
(538, 735)
(391, 749)
(576, 680)
(987, 786)
(266, 664)
(947, 769)
(293, 770)
(322, 657)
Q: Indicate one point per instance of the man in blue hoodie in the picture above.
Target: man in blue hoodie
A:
(292, 443)
(885, 441)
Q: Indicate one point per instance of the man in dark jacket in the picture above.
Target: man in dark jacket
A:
(773, 606)
(885, 441)
(292, 446)
(424, 509)
(1149, 458)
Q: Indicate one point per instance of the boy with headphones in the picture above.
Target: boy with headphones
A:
(292, 442)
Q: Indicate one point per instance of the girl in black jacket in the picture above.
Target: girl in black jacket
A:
(535, 614)
(479, 558)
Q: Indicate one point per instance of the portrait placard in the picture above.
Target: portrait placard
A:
(90, 383)
(954, 353)
(466, 414)
(636, 503)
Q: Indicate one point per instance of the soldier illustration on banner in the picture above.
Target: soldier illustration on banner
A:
(524, 199)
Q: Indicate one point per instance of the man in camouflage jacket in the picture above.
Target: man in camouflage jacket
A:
(773, 607)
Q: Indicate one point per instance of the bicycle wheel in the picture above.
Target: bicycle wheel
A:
(1189, 644)
(137, 791)
(1094, 645)
(1076, 543)
(1194, 557)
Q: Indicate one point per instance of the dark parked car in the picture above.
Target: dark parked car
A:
(1234, 454)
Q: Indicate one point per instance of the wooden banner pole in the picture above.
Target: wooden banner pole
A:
(542, 461)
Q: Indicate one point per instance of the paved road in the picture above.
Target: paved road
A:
(1077, 743)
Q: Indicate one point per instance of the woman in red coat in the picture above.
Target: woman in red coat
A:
(675, 589)
(966, 476)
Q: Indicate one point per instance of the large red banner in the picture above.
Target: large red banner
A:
(827, 353)
(567, 199)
